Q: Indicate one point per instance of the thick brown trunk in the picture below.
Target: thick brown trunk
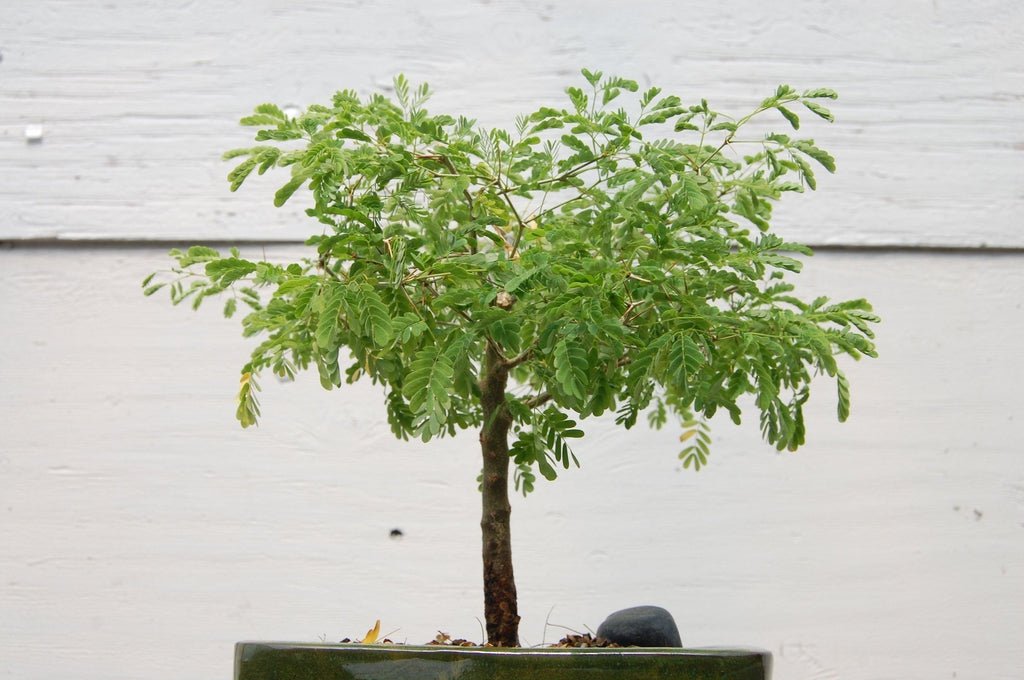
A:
(500, 604)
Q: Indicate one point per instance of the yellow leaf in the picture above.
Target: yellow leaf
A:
(686, 435)
(371, 635)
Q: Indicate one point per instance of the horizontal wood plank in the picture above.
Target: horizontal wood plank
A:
(143, 532)
(133, 103)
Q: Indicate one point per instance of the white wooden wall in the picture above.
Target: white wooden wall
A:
(142, 532)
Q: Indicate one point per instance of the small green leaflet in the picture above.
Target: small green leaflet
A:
(696, 454)
(278, 135)
(649, 96)
(819, 110)
(248, 410)
(684, 359)
(695, 197)
(843, 386)
(660, 115)
(806, 171)
(241, 171)
(428, 389)
(373, 314)
(273, 111)
(329, 321)
(793, 119)
(579, 100)
(571, 368)
(821, 93)
(592, 77)
(782, 262)
(576, 144)
(285, 192)
(197, 254)
(229, 270)
(259, 119)
(515, 282)
(823, 157)
(545, 444)
(406, 327)
(350, 133)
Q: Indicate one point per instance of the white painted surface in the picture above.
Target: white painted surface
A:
(138, 100)
(142, 532)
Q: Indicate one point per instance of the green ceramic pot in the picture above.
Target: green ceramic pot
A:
(288, 661)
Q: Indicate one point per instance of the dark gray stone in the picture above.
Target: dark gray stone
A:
(641, 627)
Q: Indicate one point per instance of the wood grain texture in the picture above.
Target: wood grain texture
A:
(137, 100)
(142, 531)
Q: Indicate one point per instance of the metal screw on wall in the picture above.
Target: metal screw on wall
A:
(34, 134)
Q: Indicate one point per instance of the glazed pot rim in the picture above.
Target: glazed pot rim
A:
(519, 651)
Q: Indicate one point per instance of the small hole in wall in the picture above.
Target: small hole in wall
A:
(396, 534)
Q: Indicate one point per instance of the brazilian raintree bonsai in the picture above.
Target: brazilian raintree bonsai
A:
(594, 260)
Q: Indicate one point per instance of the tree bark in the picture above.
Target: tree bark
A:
(500, 604)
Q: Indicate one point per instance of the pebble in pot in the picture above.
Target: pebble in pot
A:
(641, 627)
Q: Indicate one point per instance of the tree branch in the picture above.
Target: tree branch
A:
(446, 162)
(625, 318)
(522, 358)
(537, 400)
(519, 230)
(461, 312)
(728, 140)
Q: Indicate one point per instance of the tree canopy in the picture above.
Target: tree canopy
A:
(617, 258)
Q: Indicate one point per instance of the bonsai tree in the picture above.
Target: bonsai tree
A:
(517, 282)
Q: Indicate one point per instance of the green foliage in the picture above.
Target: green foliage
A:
(612, 269)
(426, 388)
(541, 443)
(696, 454)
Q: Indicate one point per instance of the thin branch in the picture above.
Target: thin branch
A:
(721, 146)
(461, 312)
(522, 358)
(330, 272)
(537, 400)
(624, 320)
(579, 196)
(416, 309)
(519, 230)
(572, 172)
(446, 162)
(729, 137)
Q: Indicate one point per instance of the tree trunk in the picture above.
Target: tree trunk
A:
(500, 605)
